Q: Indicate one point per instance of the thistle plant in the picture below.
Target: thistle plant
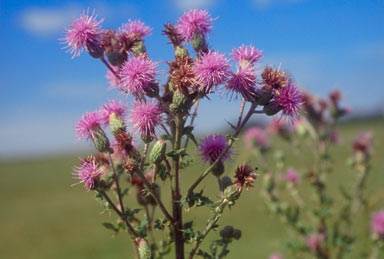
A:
(322, 225)
(145, 142)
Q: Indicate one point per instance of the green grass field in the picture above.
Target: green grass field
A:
(42, 216)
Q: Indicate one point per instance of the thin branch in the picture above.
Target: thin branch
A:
(193, 116)
(116, 177)
(241, 112)
(109, 67)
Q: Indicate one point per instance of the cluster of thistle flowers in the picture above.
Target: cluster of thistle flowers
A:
(155, 109)
(318, 124)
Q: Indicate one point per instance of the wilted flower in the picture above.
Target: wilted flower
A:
(145, 117)
(194, 22)
(246, 53)
(211, 69)
(84, 32)
(211, 147)
(256, 136)
(377, 223)
(137, 75)
(292, 176)
(88, 173)
(245, 176)
(136, 28)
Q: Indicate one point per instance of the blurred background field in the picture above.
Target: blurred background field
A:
(42, 216)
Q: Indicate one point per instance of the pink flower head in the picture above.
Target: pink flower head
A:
(114, 106)
(292, 176)
(276, 256)
(377, 223)
(136, 28)
(281, 127)
(211, 147)
(87, 124)
(112, 78)
(247, 53)
(289, 99)
(243, 82)
(256, 136)
(363, 143)
(88, 173)
(211, 69)
(314, 242)
(194, 22)
(146, 116)
(335, 96)
(84, 32)
(137, 74)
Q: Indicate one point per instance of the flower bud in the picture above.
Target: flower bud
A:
(198, 42)
(116, 123)
(158, 151)
(95, 50)
(225, 181)
(139, 48)
(144, 249)
(227, 232)
(271, 109)
(218, 169)
(180, 51)
(100, 140)
(232, 192)
(236, 234)
(179, 102)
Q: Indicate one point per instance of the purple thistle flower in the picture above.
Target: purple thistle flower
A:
(292, 176)
(88, 173)
(276, 256)
(146, 116)
(314, 242)
(243, 82)
(112, 78)
(211, 69)
(256, 136)
(211, 147)
(136, 28)
(84, 32)
(247, 53)
(88, 123)
(289, 99)
(194, 22)
(137, 74)
(114, 106)
(377, 223)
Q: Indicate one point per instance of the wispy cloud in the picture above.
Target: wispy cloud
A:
(269, 3)
(48, 21)
(190, 4)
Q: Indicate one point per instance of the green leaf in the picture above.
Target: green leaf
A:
(110, 226)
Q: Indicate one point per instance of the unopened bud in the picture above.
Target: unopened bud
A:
(218, 169)
(232, 192)
(179, 102)
(271, 109)
(225, 182)
(139, 48)
(100, 140)
(144, 249)
(227, 232)
(158, 151)
(180, 51)
(236, 234)
(198, 42)
(95, 49)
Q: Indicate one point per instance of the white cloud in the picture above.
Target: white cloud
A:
(47, 21)
(268, 3)
(190, 4)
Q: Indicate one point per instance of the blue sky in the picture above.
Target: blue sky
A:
(324, 44)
